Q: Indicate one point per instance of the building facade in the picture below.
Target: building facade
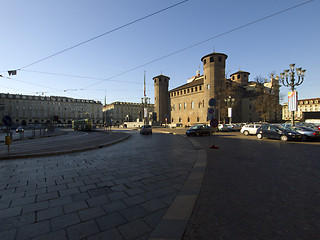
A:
(304, 106)
(27, 109)
(188, 104)
(120, 112)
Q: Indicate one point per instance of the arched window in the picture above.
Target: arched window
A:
(198, 119)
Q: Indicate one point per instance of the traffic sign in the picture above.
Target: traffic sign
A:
(214, 123)
(211, 113)
(212, 102)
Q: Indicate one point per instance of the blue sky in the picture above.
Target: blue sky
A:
(32, 30)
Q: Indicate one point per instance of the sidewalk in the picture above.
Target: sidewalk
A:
(109, 193)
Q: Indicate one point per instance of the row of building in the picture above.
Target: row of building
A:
(182, 106)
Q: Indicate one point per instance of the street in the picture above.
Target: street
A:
(258, 189)
(252, 189)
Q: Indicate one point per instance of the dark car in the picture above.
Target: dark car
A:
(146, 129)
(277, 132)
(199, 129)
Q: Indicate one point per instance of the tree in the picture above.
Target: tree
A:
(266, 102)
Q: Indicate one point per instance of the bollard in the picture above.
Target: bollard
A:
(8, 142)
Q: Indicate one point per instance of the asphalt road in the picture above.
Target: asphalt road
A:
(258, 189)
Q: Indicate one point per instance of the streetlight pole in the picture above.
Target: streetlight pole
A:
(288, 79)
(229, 101)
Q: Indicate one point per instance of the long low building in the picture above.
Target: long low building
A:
(28, 109)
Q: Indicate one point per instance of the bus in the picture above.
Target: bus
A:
(82, 125)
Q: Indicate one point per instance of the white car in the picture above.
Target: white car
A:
(250, 129)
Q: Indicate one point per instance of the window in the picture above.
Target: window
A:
(196, 88)
(191, 89)
(238, 76)
(204, 61)
(220, 59)
(180, 119)
(199, 104)
(185, 106)
(188, 119)
(172, 120)
(188, 90)
(192, 105)
(184, 91)
(200, 88)
(198, 119)
(211, 59)
(179, 106)
(208, 86)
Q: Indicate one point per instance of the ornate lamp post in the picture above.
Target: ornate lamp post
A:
(229, 101)
(288, 80)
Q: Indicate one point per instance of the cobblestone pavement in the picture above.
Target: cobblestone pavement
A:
(118, 192)
(258, 189)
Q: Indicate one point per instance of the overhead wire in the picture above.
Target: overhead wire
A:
(103, 34)
(204, 41)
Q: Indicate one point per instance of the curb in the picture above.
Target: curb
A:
(66, 151)
(174, 223)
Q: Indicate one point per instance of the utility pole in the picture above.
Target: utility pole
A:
(145, 102)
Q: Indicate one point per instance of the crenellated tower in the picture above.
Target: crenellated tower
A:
(161, 98)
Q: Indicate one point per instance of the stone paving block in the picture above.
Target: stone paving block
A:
(117, 196)
(8, 234)
(97, 201)
(135, 229)
(11, 196)
(61, 235)
(35, 191)
(82, 230)
(80, 196)
(133, 213)
(134, 201)
(87, 187)
(60, 201)
(57, 188)
(10, 212)
(119, 188)
(109, 221)
(69, 191)
(17, 221)
(73, 207)
(22, 201)
(154, 205)
(47, 196)
(134, 191)
(105, 184)
(35, 207)
(91, 213)
(64, 221)
(75, 184)
(33, 230)
(110, 234)
(114, 206)
(49, 213)
(4, 205)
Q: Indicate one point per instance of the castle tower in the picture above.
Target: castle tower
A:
(161, 98)
(214, 65)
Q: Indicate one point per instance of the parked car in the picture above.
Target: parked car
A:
(146, 129)
(307, 133)
(20, 129)
(250, 129)
(277, 132)
(223, 128)
(199, 129)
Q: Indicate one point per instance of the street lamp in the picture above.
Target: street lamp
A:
(229, 101)
(288, 80)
